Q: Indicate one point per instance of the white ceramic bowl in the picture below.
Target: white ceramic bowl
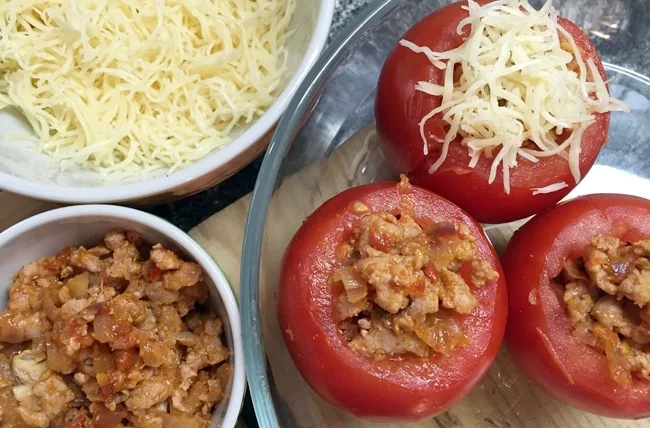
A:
(25, 172)
(46, 234)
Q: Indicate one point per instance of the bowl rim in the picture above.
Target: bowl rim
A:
(220, 158)
(185, 242)
(254, 353)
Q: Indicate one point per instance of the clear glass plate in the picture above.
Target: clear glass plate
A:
(304, 168)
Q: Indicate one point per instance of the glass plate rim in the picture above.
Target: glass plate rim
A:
(254, 354)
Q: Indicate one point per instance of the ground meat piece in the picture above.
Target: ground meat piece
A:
(160, 295)
(427, 303)
(24, 296)
(127, 307)
(16, 327)
(82, 258)
(148, 419)
(598, 263)
(137, 287)
(610, 312)
(155, 353)
(642, 247)
(382, 231)
(47, 266)
(115, 239)
(149, 322)
(152, 391)
(456, 293)
(9, 415)
(164, 259)
(639, 361)
(169, 320)
(201, 396)
(381, 342)
(125, 262)
(71, 308)
(208, 349)
(641, 334)
(578, 301)
(43, 401)
(100, 251)
(482, 273)
(189, 297)
(186, 276)
(636, 287)
(379, 271)
(73, 334)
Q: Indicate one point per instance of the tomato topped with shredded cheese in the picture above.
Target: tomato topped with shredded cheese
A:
(518, 87)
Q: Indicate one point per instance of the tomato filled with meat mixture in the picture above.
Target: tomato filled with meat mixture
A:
(579, 278)
(392, 302)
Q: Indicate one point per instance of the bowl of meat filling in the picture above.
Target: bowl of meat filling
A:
(115, 318)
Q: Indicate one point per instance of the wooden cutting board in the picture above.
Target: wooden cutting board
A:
(504, 399)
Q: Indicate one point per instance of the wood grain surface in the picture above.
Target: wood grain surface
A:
(14, 208)
(504, 399)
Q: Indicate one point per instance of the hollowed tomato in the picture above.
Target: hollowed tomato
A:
(399, 109)
(404, 388)
(539, 334)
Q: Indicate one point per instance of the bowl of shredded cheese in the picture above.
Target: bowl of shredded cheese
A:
(118, 101)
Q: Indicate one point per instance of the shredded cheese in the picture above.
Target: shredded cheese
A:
(550, 188)
(130, 86)
(517, 84)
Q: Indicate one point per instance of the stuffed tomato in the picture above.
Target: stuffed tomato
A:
(496, 106)
(579, 294)
(391, 302)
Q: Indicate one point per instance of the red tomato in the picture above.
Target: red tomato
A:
(539, 334)
(390, 389)
(399, 109)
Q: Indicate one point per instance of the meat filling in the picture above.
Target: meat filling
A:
(606, 293)
(402, 286)
(112, 336)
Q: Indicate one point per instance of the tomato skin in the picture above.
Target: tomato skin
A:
(388, 390)
(539, 334)
(399, 109)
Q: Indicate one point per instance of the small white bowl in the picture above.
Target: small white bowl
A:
(24, 171)
(48, 233)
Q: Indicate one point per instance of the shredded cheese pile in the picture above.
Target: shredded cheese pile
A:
(129, 86)
(517, 84)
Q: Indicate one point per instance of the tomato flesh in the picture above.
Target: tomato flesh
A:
(539, 334)
(399, 109)
(390, 389)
